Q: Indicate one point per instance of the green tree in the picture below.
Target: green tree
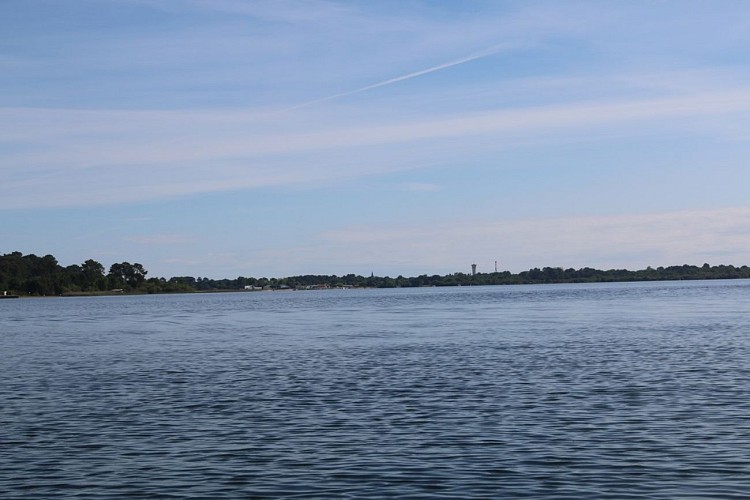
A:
(125, 273)
(93, 276)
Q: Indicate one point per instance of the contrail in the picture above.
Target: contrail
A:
(473, 57)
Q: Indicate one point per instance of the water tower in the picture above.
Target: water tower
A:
(473, 269)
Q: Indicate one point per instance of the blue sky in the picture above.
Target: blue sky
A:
(227, 138)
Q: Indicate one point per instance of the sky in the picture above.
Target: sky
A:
(226, 138)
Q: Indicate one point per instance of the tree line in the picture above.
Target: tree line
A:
(33, 275)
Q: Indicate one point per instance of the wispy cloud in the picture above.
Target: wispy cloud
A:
(420, 187)
(158, 239)
(185, 146)
(631, 240)
(456, 62)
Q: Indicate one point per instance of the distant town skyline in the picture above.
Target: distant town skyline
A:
(230, 138)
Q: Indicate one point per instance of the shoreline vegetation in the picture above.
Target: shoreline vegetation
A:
(33, 276)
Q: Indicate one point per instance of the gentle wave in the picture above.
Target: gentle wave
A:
(612, 391)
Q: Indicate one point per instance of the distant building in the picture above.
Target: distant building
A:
(473, 269)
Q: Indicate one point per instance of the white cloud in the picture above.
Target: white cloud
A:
(633, 241)
(158, 148)
(175, 153)
(159, 239)
(420, 187)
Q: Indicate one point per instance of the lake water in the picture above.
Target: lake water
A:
(637, 390)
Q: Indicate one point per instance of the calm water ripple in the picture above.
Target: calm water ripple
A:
(559, 391)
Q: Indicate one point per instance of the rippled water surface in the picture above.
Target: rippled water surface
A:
(558, 391)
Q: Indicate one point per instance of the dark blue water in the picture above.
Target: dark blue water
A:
(558, 391)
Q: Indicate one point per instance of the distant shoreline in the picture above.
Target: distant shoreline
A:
(192, 292)
(30, 275)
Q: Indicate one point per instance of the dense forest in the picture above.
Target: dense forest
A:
(32, 275)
